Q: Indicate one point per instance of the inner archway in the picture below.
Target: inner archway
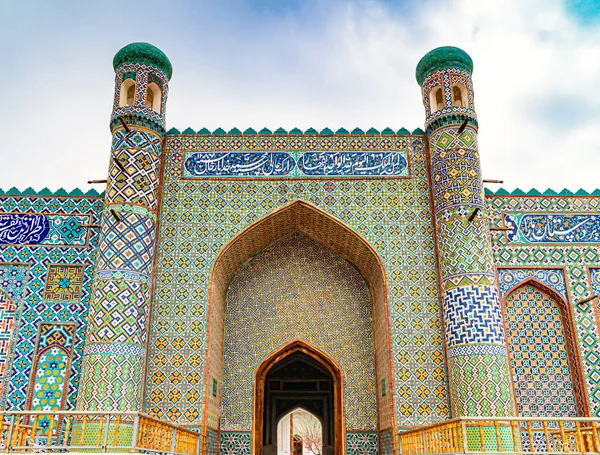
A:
(300, 432)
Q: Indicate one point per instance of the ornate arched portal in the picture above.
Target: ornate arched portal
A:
(304, 218)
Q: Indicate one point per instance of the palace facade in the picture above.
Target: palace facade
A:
(227, 278)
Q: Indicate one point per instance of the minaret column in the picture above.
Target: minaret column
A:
(474, 332)
(114, 355)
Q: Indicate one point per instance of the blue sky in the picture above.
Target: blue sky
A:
(312, 63)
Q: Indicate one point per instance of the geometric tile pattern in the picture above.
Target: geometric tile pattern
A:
(478, 381)
(234, 443)
(128, 244)
(63, 282)
(199, 217)
(297, 288)
(122, 317)
(385, 442)
(137, 185)
(362, 443)
(472, 315)
(539, 357)
(574, 259)
(471, 307)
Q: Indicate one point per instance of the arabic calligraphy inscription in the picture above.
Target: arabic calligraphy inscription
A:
(552, 228)
(295, 164)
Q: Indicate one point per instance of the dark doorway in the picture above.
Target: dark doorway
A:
(297, 381)
(298, 376)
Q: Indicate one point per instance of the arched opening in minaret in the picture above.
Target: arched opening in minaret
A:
(300, 432)
(436, 99)
(262, 286)
(153, 97)
(543, 357)
(127, 93)
(459, 95)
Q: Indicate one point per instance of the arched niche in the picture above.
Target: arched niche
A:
(460, 95)
(153, 97)
(540, 337)
(127, 93)
(299, 216)
(436, 99)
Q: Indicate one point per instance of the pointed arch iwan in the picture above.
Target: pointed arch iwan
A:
(303, 217)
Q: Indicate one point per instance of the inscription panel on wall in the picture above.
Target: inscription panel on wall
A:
(296, 164)
(553, 228)
(43, 229)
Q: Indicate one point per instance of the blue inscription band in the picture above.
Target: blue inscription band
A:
(21, 229)
(552, 228)
(295, 164)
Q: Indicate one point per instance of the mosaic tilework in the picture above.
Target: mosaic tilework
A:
(574, 260)
(233, 443)
(212, 442)
(552, 228)
(51, 366)
(26, 268)
(116, 336)
(472, 315)
(386, 444)
(538, 350)
(298, 288)
(362, 443)
(198, 218)
(63, 282)
(479, 382)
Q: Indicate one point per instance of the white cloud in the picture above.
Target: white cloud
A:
(324, 64)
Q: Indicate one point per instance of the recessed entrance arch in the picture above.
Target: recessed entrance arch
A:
(270, 405)
(305, 219)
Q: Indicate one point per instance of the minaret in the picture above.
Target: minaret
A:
(474, 332)
(115, 349)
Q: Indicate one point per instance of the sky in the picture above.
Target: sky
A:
(312, 63)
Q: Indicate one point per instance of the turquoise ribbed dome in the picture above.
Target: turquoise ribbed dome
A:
(443, 57)
(143, 53)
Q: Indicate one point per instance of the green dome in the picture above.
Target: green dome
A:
(143, 53)
(443, 57)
